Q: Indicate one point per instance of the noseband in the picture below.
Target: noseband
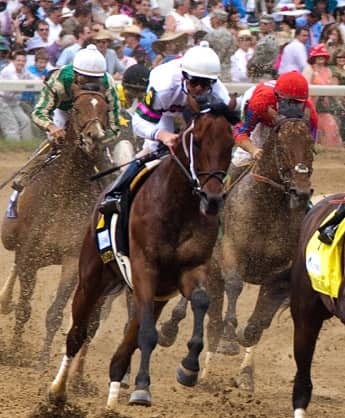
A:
(285, 178)
(191, 174)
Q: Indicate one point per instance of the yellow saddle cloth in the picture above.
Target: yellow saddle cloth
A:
(324, 262)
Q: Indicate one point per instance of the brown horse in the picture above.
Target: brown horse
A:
(309, 307)
(53, 212)
(262, 216)
(173, 226)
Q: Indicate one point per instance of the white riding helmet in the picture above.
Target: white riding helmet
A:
(89, 61)
(201, 61)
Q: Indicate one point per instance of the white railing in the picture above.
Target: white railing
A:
(36, 85)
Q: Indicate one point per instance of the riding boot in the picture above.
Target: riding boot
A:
(11, 211)
(112, 202)
(328, 230)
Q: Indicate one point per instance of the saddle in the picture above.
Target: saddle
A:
(324, 262)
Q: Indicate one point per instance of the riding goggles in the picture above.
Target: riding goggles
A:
(198, 81)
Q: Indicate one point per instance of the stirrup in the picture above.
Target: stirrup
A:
(111, 204)
(327, 235)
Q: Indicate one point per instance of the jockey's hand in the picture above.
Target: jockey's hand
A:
(167, 138)
(233, 101)
(257, 154)
(57, 134)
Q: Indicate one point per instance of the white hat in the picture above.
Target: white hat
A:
(201, 61)
(89, 61)
(117, 23)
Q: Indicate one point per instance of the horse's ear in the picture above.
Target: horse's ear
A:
(75, 89)
(307, 113)
(274, 115)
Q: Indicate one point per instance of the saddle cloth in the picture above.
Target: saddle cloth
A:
(324, 262)
(112, 234)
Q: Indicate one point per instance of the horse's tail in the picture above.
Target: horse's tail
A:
(9, 233)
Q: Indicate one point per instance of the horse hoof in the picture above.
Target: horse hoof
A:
(249, 335)
(245, 381)
(167, 336)
(229, 348)
(140, 397)
(186, 377)
(125, 381)
(56, 399)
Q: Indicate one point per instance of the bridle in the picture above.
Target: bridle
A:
(285, 173)
(192, 175)
(80, 129)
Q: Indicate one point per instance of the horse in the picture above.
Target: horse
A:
(262, 216)
(309, 307)
(53, 212)
(173, 225)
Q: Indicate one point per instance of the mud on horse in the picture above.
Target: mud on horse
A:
(173, 226)
(53, 213)
(309, 307)
(262, 217)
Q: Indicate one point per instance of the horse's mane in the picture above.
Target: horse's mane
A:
(214, 108)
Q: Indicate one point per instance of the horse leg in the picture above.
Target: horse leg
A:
(271, 297)
(6, 293)
(54, 316)
(169, 329)
(92, 285)
(233, 286)
(215, 290)
(187, 372)
(245, 378)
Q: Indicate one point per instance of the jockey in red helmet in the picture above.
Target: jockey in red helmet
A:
(288, 95)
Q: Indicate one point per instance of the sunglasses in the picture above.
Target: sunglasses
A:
(245, 39)
(198, 81)
(340, 58)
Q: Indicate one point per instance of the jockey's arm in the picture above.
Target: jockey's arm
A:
(242, 134)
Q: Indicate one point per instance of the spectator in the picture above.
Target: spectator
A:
(234, 23)
(221, 41)
(295, 55)
(55, 49)
(81, 17)
(15, 124)
(212, 6)
(312, 22)
(82, 34)
(331, 37)
(133, 49)
(178, 20)
(102, 40)
(196, 13)
(237, 5)
(239, 60)
(101, 9)
(25, 23)
(283, 39)
(317, 72)
(41, 37)
(147, 36)
(338, 77)
(168, 47)
(261, 65)
(54, 20)
(341, 18)
(5, 21)
(44, 6)
(325, 7)
(125, 60)
(4, 52)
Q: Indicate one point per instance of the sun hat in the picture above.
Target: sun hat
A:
(244, 32)
(179, 37)
(117, 23)
(103, 34)
(131, 30)
(318, 50)
(289, 9)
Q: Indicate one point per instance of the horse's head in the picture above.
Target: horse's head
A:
(89, 118)
(208, 143)
(289, 153)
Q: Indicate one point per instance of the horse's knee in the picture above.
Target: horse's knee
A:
(200, 300)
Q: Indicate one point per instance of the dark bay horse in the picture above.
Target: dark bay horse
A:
(262, 217)
(173, 226)
(310, 308)
(53, 213)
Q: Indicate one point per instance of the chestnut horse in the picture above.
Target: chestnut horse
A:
(173, 225)
(309, 307)
(53, 212)
(262, 217)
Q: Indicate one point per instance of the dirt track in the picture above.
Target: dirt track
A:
(22, 389)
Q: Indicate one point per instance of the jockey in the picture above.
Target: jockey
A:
(171, 87)
(55, 101)
(289, 95)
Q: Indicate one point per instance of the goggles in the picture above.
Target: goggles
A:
(198, 81)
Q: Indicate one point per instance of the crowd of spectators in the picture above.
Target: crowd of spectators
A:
(255, 40)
